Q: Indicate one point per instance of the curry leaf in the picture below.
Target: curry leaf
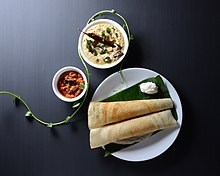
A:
(108, 30)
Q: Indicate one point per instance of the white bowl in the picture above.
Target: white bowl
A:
(113, 23)
(56, 78)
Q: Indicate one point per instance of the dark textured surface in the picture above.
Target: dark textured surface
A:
(179, 39)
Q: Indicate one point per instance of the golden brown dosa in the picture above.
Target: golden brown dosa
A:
(130, 128)
(102, 113)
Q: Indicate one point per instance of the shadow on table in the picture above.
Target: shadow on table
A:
(135, 55)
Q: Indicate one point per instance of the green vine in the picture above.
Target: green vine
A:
(77, 105)
(30, 113)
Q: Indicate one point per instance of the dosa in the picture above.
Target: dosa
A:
(130, 128)
(102, 113)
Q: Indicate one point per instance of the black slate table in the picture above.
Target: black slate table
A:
(177, 38)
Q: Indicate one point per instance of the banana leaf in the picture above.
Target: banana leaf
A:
(134, 93)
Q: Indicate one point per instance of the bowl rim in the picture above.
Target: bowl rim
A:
(56, 78)
(119, 27)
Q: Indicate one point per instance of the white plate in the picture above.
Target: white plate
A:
(158, 143)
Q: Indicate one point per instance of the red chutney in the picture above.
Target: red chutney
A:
(70, 84)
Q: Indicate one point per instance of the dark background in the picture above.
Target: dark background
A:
(177, 38)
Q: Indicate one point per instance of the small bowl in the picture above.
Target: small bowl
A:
(113, 23)
(55, 82)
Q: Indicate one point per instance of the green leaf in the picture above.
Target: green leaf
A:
(95, 53)
(50, 125)
(111, 148)
(103, 33)
(28, 114)
(107, 59)
(67, 119)
(131, 37)
(134, 92)
(113, 11)
(101, 14)
(82, 86)
(76, 104)
(108, 30)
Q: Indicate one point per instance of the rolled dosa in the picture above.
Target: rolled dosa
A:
(102, 113)
(130, 128)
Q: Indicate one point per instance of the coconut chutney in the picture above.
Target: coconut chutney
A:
(99, 53)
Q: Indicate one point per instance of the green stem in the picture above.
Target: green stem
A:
(26, 106)
(54, 123)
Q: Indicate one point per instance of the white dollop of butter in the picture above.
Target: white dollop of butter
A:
(149, 88)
